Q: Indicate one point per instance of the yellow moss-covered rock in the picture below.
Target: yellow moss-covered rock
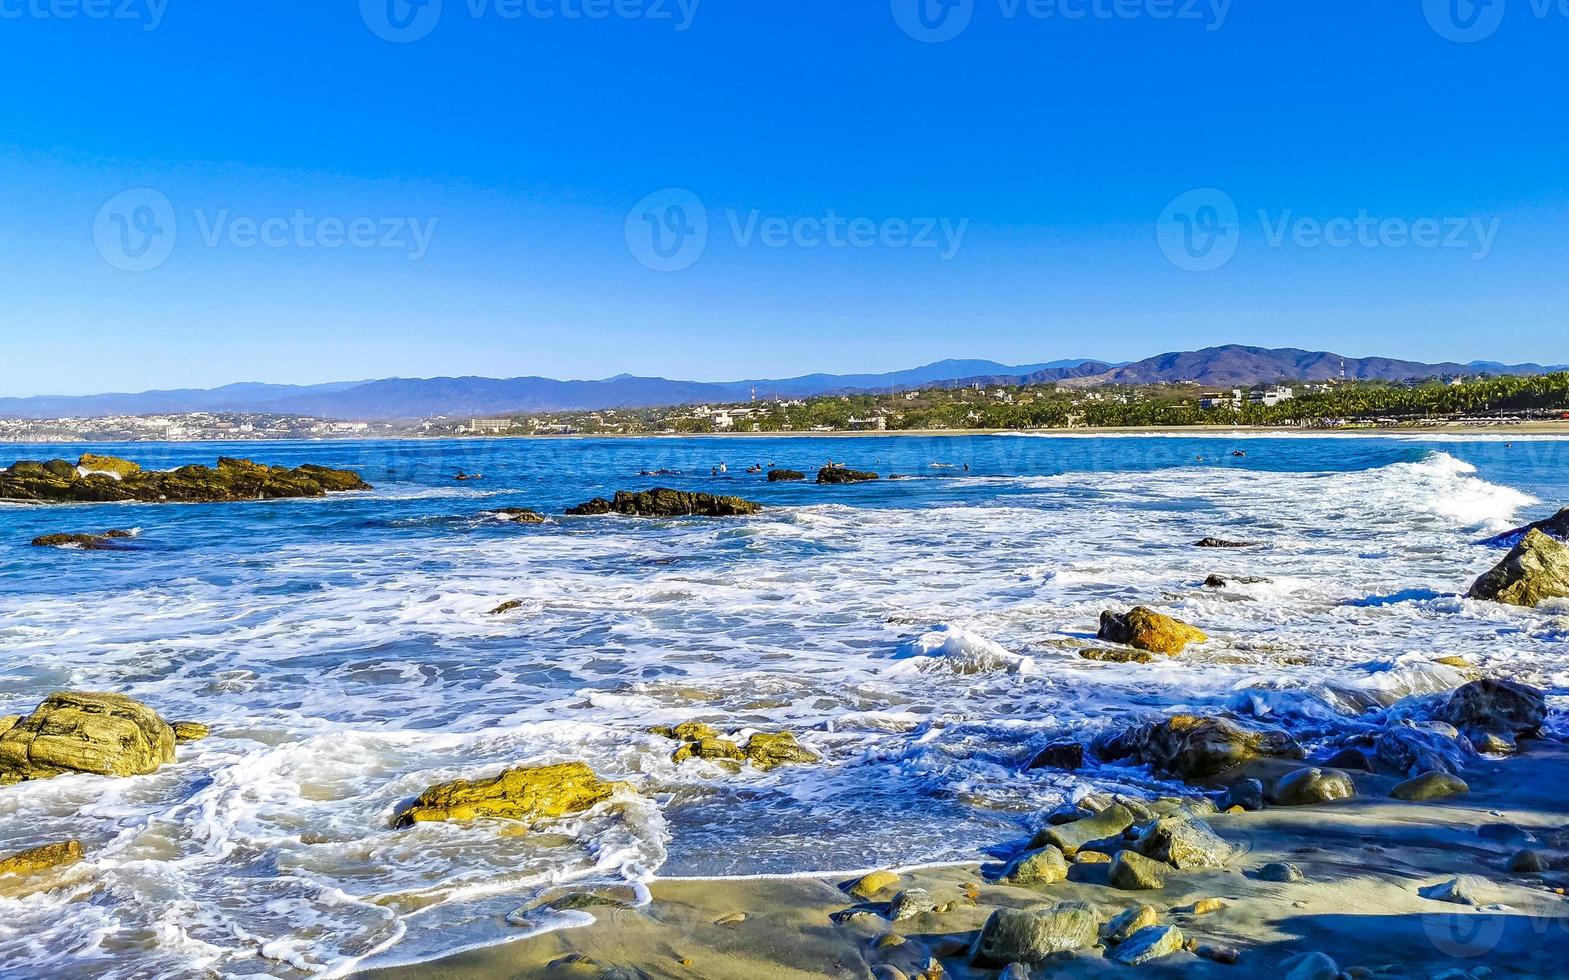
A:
(709, 748)
(527, 793)
(121, 468)
(78, 731)
(1145, 629)
(767, 751)
(687, 731)
(43, 858)
(189, 731)
(868, 887)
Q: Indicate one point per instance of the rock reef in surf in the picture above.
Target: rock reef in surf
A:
(1191, 747)
(80, 731)
(1145, 629)
(843, 474)
(107, 541)
(107, 479)
(1535, 571)
(785, 476)
(528, 793)
(764, 750)
(665, 502)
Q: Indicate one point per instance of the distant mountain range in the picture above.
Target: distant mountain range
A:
(412, 398)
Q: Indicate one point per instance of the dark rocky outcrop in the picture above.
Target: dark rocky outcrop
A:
(1191, 747)
(1224, 581)
(107, 541)
(109, 479)
(1223, 543)
(1145, 629)
(528, 793)
(520, 515)
(841, 474)
(785, 476)
(77, 731)
(1500, 706)
(665, 502)
(1556, 526)
(1536, 570)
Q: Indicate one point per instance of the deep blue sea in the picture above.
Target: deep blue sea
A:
(922, 634)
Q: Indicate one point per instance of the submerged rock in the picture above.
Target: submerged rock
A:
(1059, 755)
(521, 515)
(1429, 786)
(527, 793)
(841, 474)
(38, 859)
(108, 478)
(1020, 936)
(1537, 569)
(1223, 543)
(665, 502)
(82, 542)
(785, 476)
(764, 750)
(1145, 629)
(78, 731)
(1306, 787)
(1191, 747)
(507, 607)
(1222, 581)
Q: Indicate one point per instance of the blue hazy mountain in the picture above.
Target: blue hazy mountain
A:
(412, 398)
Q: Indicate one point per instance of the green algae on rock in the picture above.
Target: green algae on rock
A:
(78, 731)
(106, 479)
(526, 793)
(665, 502)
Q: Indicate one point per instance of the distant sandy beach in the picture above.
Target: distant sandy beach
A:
(1363, 861)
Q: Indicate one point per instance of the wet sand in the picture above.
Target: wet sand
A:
(1363, 860)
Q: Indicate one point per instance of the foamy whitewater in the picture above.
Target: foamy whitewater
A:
(921, 634)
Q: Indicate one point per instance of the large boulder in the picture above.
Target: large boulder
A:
(665, 502)
(527, 793)
(1145, 629)
(840, 474)
(1495, 706)
(38, 859)
(1192, 747)
(109, 478)
(1021, 936)
(1184, 843)
(785, 476)
(1537, 569)
(79, 731)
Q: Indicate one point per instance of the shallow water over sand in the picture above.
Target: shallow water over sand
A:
(921, 634)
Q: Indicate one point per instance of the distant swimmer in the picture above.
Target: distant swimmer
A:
(1238, 452)
(468, 476)
(723, 468)
(966, 467)
(755, 469)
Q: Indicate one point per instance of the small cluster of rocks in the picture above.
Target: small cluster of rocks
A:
(763, 750)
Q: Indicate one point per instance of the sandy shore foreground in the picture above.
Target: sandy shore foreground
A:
(1363, 861)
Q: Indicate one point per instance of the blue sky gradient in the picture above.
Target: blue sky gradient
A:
(522, 144)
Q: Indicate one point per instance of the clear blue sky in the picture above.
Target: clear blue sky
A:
(528, 141)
